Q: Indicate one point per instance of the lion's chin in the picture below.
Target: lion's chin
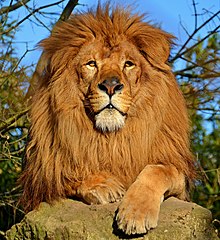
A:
(109, 120)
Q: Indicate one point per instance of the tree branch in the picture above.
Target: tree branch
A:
(195, 13)
(200, 76)
(196, 65)
(13, 7)
(29, 15)
(12, 120)
(68, 10)
(34, 15)
(180, 53)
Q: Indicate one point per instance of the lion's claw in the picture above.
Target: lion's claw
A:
(138, 211)
(102, 194)
(136, 221)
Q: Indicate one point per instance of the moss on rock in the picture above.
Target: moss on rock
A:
(69, 219)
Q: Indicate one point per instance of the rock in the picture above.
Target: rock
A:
(73, 220)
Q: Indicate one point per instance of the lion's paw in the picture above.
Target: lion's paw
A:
(101, 192)
(137, 216)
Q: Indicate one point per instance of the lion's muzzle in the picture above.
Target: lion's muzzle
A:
(110, 118)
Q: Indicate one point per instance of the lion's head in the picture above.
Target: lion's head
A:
(109, 58)
(106, 101)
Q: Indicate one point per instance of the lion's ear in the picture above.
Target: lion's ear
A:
(154, 44)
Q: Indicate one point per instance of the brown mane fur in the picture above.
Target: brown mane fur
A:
(64, 147)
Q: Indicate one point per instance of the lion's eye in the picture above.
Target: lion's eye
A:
(129, 65)
(91, 64)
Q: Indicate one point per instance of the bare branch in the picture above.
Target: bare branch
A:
(68, 10)
(195, 65)
(201, 76)
(29, 15)
(181, 52)
(31, 12)
(13, 7)
(184, 28)
(195, 13)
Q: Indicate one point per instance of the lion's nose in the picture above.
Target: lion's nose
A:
(111, 86)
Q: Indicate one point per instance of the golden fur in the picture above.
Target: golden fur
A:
(108, 117)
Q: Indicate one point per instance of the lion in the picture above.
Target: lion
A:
(109, 122)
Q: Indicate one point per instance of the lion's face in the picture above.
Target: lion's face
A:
(109, 79)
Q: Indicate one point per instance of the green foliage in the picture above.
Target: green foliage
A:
(206, 145)
(13, 132)
(13, 126)
(200, 82)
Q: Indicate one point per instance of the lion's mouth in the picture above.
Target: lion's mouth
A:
(111, 107)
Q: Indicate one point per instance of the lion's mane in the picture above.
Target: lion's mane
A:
(64, 146)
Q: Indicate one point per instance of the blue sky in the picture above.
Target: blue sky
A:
(167, 14)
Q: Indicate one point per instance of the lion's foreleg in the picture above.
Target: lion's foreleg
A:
(140, 206)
